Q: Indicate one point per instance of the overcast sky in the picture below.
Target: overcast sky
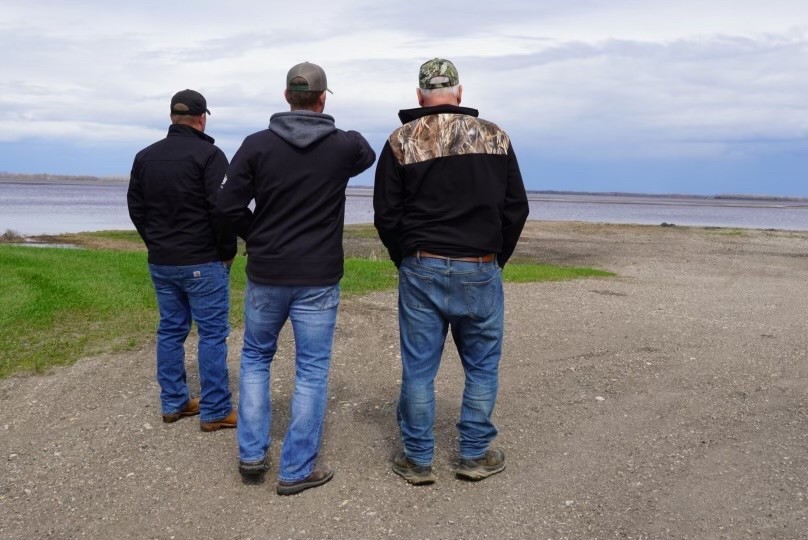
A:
(692, 96)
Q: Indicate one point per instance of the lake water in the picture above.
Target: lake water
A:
(32, 209)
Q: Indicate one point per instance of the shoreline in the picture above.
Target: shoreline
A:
(668, 398)
(63, 239)
(764, 201)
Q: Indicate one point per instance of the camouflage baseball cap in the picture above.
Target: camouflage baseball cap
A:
(438, 73)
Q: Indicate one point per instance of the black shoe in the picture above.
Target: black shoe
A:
(252, 472)
(476, 469)
(319, 476)
(417, 475)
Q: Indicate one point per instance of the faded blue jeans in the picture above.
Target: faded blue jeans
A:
(434, 294)
(313, 312)
(198, 293)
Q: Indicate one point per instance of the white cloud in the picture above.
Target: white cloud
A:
(611, 78)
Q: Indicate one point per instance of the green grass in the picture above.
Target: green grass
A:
(525, 273)
(59, 305)
(127, 236)
(725, 231)
(363, 276)
(361, 230)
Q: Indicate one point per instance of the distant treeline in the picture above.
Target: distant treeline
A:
(68, 179)
(723, 196)
(43, 178)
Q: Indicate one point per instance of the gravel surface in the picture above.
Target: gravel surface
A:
(667, 402)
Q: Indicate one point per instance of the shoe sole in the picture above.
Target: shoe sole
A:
(171, 418)
(252, 479)
(215, 426)
(303, 486)
(253, 473)
(478, 473)
(412, 478)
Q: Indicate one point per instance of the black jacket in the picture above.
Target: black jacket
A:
(296, 172)
(449, 183)
(172, 193)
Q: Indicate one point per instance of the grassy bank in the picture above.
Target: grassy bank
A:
(61, 304)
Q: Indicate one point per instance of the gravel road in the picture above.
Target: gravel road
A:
(670, 401)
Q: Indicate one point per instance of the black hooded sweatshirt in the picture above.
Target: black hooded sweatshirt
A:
(296, 172)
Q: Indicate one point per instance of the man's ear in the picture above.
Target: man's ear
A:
(459, 93)
(321, 99)
(420, 97)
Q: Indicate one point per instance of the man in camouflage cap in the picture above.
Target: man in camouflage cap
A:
(449, 207)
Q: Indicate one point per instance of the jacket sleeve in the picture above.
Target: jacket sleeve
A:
(388, 203)
(365, 156)
(236, 192)
(515, 210)
(134, 200)
(215, 171)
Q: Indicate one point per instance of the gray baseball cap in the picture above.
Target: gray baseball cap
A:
(312, 74)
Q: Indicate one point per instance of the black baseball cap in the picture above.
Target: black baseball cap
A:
(189, 103)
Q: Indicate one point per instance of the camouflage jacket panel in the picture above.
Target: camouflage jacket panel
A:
(442, 135)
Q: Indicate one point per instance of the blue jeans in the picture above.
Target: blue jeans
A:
(313, 312)
(199, 293)
(434, 294)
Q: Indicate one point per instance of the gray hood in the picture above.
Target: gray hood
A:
(301, 128)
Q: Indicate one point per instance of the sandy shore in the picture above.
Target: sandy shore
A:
(667, 402)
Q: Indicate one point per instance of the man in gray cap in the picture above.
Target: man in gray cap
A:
(449, 206)
(296, 171)
(171, 197)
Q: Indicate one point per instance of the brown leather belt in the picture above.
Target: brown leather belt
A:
(491, 257)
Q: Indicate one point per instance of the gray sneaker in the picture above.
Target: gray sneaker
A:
(476, 469)
(417, 475)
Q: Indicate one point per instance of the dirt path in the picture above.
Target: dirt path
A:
(669, 402)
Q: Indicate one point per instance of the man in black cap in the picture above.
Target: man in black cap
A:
(172, 192)
(296, 172)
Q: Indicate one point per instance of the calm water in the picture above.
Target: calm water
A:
(56, 208)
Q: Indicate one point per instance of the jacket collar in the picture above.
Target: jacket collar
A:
(408, 115)
(182, 130)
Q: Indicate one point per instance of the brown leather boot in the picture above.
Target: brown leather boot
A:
(190, 409)
(229, 421)
(320, 475)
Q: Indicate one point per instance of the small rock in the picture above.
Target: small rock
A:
(600, 398)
